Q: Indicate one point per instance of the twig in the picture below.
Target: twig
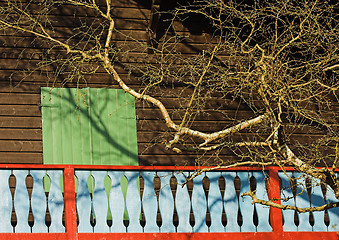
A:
(207, 169)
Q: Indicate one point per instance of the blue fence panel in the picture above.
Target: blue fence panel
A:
(38, 202)
(6, 202)
(108, 200)
(149, 202)
(262, 211)
(302, 201)
(245, 204)
(231, 203)
(116, 202)
(166, 202)
(287, 198)
(317, 200)
(100, 202)
(199, 205)
(133, 202)
(55, 201)
(21, 202)
(83, 202)
(215, 202)
(333, 213)
(183, 203)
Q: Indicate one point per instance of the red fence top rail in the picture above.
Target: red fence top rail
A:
(70, 209)
(138, 168)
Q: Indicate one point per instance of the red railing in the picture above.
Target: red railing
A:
(71, 213)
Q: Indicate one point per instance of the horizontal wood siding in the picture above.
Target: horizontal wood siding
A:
(20, 105)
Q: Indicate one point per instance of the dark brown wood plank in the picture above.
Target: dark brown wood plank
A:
(20, 134)
(205, 126)
(20, 146)
(181, 160)
(139, 35)
(19, 98)
(20, 110)
(69, 10)
(6, 86)
(20, 122)
(160, 149)
(207, 115)
(116, 3)
(20, 157)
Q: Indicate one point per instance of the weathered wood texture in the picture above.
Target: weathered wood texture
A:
(20, 111)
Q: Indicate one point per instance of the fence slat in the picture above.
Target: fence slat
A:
(133, 202)
(302, 201)
(116, 202)
(199, 205)
(245, 204)
(262, 211)
(100, 202)
(38, 202)
(287, 199)
(6, 202)
(317, 199)
(55, 201)
(21, 202)
(149, 202)
(231, 202)
(166, 202)
(183, 203)
(83, 202)
(215, 202)
(333, 213)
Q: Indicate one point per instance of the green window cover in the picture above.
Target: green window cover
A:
(88, 126)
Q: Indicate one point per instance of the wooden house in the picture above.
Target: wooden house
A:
(56, 122)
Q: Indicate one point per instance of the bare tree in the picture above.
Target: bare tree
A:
(280, 58)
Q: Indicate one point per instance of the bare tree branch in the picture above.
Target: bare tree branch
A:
(275, 60)
(289, 207)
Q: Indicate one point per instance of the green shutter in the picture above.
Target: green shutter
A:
(88, 126)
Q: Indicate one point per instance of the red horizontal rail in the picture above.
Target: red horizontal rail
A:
(176, 236)
(123, 167)
(144, 168)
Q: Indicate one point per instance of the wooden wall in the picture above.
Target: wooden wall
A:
(20, 113)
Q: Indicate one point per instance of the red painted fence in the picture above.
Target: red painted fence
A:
(71, 224)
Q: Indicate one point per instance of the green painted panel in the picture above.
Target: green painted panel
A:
(131, 124)
(66, 125)
(100, 126)
(88, 126)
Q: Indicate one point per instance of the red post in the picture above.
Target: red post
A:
(70, 205)
(274, 193)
